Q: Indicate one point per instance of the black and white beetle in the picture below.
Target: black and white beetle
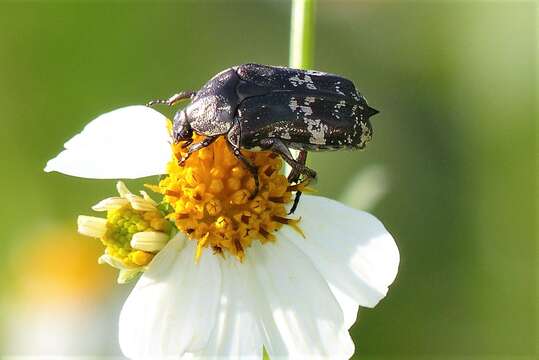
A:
(261, 107)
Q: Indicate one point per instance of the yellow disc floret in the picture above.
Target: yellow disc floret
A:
(122, 224)
(133, 232)
(211, 198)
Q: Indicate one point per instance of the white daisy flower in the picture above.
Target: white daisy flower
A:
(240, 275)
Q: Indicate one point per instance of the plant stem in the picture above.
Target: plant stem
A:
(302, 34)
(301, 43)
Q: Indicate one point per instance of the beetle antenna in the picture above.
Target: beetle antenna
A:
(155, 102)
(173, 99)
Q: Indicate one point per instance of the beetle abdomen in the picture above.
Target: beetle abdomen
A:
(314, 123)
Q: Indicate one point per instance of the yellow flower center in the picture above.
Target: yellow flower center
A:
(122, 224)
(211, 198)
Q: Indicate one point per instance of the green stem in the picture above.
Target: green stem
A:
(301, 42)
(302, 34)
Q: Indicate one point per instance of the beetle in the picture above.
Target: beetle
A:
(271, 108)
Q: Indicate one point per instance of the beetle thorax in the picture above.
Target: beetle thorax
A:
(210, 115)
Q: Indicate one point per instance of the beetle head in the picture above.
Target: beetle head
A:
(181, 130)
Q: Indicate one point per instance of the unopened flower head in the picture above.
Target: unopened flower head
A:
(133, 231)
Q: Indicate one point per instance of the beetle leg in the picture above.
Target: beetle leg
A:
(187, 143)
(248, 164)
(206, 142)
(298, 166)
(278, 147)
(174, 98)
(293, 177)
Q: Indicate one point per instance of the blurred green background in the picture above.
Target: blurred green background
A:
(455, 146)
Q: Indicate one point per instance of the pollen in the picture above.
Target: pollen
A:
(211, 198)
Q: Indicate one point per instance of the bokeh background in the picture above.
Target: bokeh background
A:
(452, 170)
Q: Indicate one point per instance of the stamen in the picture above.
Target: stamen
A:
(173, 193)
(266, 234)
(201, 244)
(293, 223)
(280, 200)
(302, 186)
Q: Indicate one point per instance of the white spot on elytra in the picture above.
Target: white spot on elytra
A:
(340, 104)
(314, 72)
(338, 88)
(305, 108)
(296, 81)
(366, 134)
(317, 129)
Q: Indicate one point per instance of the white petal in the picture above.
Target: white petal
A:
(111, 203)
(236, 334)
(122, 189)
(91, 226)
(351, 248)
(173, 307)
(112, 261)
(348, 305)
(129, 142)
(149, 240)
(148, 198)
(139, 203)
(299, 316)
(126, 276)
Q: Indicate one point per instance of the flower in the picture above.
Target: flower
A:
(134, 230)
(240, 275)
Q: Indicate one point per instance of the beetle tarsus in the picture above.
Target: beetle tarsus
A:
(298, 166)
(294, 176)
(194, 148)
(200, 145)
(296, 202)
